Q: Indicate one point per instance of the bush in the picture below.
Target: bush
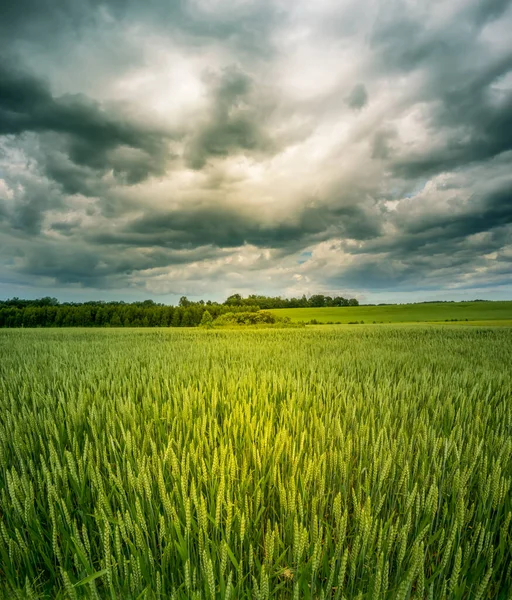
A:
(207, 320)
(262, 317)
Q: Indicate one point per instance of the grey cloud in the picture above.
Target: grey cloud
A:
(476, 128)
(229, 227)
(433, 250)
(470, 120)
(66, 227)
(404, 39)
(88, 266)
(242, 26)
(424, 232)
(99, 257)
(358, 97)
(32, 18)
(493, 210)
(435, 264)
(29, 204)
(77, 265)
(382, 143)
(234, 123)
(73, 178)
(488, 10)
(90, 135)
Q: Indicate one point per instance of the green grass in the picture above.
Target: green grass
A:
(366, 462)
(488, 323)
(403, 313)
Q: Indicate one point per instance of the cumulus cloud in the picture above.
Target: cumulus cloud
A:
(202, 147)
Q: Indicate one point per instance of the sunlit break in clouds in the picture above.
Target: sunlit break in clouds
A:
(205, 147)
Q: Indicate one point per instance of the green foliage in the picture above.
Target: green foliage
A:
(261, 317)
(234, 300)
(42, 313)
(207, 320)
(370, 462)
(268, 302)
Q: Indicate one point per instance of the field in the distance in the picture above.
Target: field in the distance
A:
(367, 463)
(404, 313)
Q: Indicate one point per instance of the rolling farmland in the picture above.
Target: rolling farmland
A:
(360, 462)
(404, 313)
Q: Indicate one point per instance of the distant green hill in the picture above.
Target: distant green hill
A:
(404, 313)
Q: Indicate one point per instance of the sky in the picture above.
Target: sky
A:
(204, 147)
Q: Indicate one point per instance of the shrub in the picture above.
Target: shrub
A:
(262, 317)
(207, 320)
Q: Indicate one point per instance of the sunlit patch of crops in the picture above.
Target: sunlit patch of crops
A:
(365, 463)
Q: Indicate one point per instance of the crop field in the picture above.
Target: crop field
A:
(359, 463)
(404, 313)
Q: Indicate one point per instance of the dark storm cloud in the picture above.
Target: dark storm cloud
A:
(420, 231)
(433, 260)
(28, 213)
(477, 127)
(233, 123)
(73, 178)
(105, 259)
(405, 39)
(229, 227)
(31, 198)
(484, 214)
(91, 136)
(470, 118)
(86, 265)
(435, 249)
(242, 26)
(433, 268)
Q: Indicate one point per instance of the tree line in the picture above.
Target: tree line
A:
(267, 302)
(49, 312)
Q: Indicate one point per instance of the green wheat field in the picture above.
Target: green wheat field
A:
(360, 462)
